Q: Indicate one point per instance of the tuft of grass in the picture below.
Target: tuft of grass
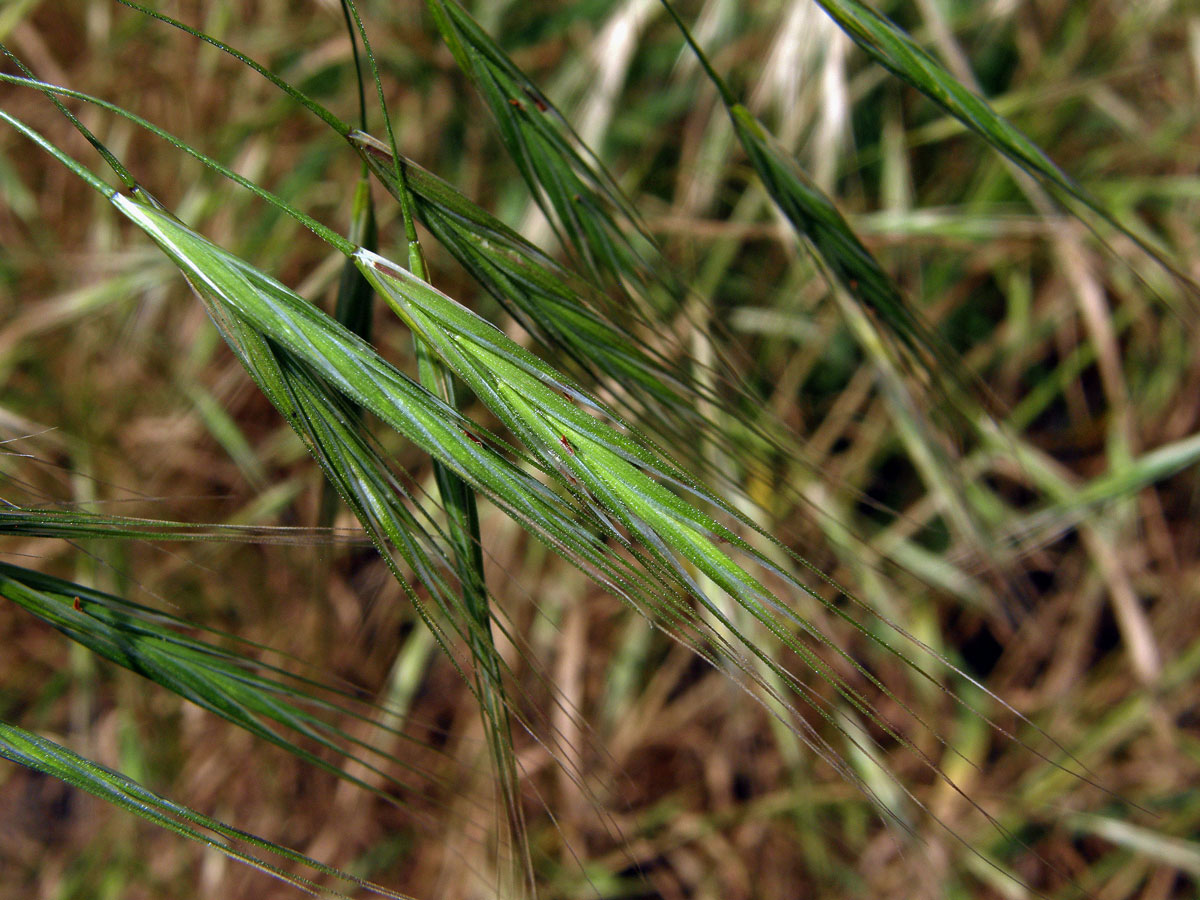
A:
(747, 532)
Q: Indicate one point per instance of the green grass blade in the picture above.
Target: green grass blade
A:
(355, 299)
(458, 501)
(326, 234)
(584, 443)
(27, 749)
(353, 369)
(355, 470)
(104, 152)
(551, 302)
(888, 45)
(355, 305)
(221, 681)
(577, 195)
(817, 219)
(299, 96)
(81, 525)
(624, 481)
(564, 311)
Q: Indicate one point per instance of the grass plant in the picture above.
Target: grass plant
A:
(755, 450)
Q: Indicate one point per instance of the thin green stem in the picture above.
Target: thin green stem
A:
(299, 96)
(358, 73)
(100, 185)
(113, 163)
(325, 233)
(726, 94)
(463, 525)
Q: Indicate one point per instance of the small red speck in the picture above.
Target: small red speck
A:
(517, 104)
(567, 445)
(77, 605)
(473, 437)
(537, 101)
(853, 284)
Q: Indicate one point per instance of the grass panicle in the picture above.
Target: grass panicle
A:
(920, 494)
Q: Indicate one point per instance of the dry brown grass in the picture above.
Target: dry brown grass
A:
(108, 364)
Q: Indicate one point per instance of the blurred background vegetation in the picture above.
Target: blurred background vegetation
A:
(1058, 564)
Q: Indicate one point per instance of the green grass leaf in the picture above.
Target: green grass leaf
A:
(889, 46)
(27, 749)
